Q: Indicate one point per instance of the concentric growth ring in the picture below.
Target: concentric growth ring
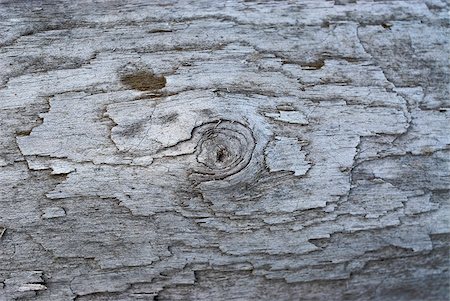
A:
(223, 149)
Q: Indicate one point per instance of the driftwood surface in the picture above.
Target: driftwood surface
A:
(224, 150)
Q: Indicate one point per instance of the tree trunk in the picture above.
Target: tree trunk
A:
(224, 150)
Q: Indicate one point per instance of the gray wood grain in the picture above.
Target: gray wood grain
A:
(224, 150)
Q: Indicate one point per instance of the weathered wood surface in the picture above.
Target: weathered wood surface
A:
(224, 150)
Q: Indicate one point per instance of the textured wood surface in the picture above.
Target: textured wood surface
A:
(224, 150)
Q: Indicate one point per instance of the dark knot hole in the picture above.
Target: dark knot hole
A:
(221, 154)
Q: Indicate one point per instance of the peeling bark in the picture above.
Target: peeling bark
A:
(224, 151)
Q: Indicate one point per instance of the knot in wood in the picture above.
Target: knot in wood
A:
(223, 149)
